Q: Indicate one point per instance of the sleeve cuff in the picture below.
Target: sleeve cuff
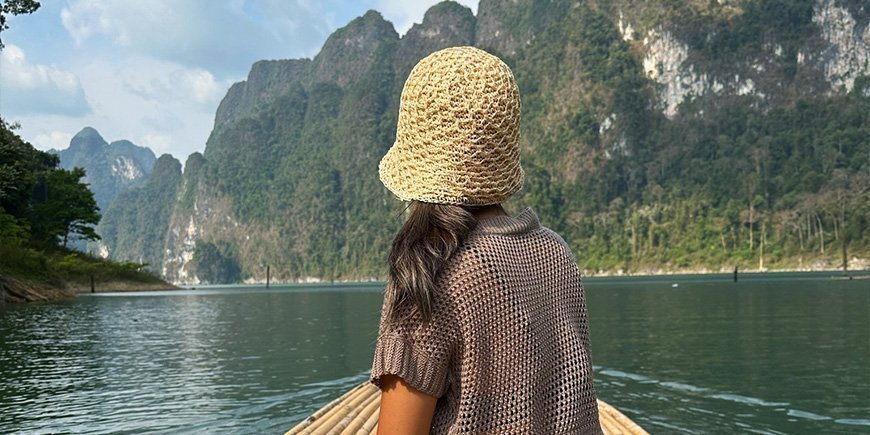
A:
(396, 356)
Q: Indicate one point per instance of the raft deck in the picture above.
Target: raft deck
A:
(356, 413)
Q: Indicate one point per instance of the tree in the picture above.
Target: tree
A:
(63, 206)
(15, 7)
(19, 161)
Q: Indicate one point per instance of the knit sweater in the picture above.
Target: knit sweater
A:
(507, 347)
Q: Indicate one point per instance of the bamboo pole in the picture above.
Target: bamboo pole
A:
(371, 424)
(356, 413)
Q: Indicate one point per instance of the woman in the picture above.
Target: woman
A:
(483, 327)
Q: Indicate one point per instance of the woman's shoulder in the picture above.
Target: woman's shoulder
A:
(481, 252)
(482, 241)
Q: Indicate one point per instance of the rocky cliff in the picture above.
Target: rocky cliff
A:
(655, 135)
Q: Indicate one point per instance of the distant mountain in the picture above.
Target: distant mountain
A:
(110, 167)
(658, 135)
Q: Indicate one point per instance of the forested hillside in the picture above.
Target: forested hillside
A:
(656, 135)
(44, 208)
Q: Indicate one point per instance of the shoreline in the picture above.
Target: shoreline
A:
(584, 274)
(607, 274)
(14, 290)
(122, 286)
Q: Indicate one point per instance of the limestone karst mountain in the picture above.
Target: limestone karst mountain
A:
(110, 167)
(655, 135)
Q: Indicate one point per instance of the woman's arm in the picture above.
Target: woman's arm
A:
(404, 409)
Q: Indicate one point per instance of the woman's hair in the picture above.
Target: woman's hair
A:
(423, 245)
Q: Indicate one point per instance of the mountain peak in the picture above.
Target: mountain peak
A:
(88, 131)
(87, 140)
(449, 9)
(110, 167)
(447, 24)
(354, 49)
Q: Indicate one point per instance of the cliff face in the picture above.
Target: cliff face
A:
(134, 226)
(769, 51)
(677, 134)
(311, 140)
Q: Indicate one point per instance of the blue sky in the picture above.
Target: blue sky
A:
(154, 71)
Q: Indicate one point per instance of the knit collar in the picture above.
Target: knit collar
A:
(525, 221)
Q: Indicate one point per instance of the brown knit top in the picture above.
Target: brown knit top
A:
(507, 349)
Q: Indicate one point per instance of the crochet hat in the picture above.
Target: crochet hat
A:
(457, 139)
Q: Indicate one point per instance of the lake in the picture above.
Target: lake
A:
(770, 354)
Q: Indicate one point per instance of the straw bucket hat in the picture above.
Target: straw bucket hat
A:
(457, 139)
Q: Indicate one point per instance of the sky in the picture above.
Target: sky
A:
(153, 72)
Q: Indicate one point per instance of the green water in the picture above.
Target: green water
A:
(771, 354)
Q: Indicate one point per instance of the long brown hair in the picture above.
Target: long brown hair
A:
(431, 234)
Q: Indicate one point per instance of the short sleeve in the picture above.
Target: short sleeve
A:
(419, 352)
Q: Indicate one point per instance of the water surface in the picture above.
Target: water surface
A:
(778, 353)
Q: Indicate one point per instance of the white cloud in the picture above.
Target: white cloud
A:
(159, 104)
(84, 19)
(52, 139)
(403, 14)
(224, 36)
(202, 84)
(27, 88)
(159, 143)
(169, 82)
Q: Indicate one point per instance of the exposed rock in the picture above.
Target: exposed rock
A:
(625, 28)
(847, 55)
(664, 63)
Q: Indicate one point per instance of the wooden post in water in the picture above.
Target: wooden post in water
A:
(735, 273)
(92, 284)
(845, 254)
(268, 276)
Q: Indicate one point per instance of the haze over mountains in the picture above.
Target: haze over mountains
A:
(111, 167)
(655, 135)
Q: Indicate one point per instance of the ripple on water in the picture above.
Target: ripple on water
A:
(807, 415)
(672, 392)
(747, 400)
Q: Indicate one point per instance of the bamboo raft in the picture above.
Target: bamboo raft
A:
(356, 413)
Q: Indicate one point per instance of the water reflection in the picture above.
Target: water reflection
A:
(223, 360)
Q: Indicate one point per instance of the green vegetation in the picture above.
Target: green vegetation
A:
(135, 224)
(42, 207)
(732, 180)
(56, 267)
(38, 201)
(63, 207)
(15, 7)
(770, 181)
